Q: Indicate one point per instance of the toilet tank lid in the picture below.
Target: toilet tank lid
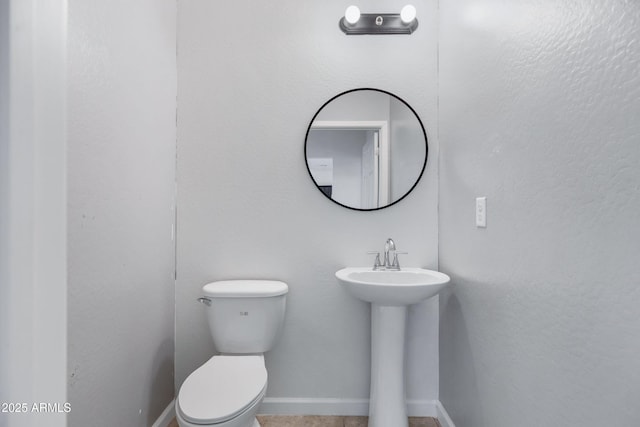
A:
(245, 288)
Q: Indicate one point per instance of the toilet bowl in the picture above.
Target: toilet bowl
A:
(224, 392)
(245, 318)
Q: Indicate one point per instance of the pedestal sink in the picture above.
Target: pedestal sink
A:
(390, 293)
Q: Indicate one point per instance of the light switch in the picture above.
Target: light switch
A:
(481, 212)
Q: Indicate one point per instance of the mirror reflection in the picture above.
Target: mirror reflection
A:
(366, 149)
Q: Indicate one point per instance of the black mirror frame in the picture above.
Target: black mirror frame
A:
(424, 133)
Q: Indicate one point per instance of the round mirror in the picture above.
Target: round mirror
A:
(366, 149)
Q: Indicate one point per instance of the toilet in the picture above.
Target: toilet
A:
(245, 318)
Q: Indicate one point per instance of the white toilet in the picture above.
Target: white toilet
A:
(245, 318)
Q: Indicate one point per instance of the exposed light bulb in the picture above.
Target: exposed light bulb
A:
(352, 14)
(408, 14)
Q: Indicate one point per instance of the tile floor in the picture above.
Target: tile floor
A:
(324, 421)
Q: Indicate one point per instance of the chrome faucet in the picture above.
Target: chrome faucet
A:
(389, 246)
(387, 264)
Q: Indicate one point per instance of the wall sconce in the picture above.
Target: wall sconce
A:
(355, 23)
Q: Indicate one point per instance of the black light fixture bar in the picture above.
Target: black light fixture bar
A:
(378, 23)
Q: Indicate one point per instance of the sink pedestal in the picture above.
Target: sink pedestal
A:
(387, 398)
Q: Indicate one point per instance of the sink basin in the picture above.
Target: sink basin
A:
(392, 288)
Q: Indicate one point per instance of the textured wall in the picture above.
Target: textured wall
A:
(540, 108)
(122, 89)
(247, 90)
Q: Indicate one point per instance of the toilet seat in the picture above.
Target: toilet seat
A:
(221, 389)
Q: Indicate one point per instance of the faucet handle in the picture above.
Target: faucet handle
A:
(377, 265)
(396, 264)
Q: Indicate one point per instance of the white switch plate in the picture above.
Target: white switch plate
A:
(481, 212)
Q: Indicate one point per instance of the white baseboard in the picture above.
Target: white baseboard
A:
(167, 416)
(343, 407)
(443, 417)
(313, 406)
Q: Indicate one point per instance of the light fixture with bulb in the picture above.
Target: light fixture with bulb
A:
(355, 23)
(352, 15)
(408, 14)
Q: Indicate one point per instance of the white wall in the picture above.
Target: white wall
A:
(540, 103)
(32, 210)
(248, 208)
(122, 133)
(4, 194)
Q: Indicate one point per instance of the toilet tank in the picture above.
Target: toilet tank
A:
(245, 316)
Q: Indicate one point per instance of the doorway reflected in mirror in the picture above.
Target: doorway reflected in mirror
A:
(366, 149)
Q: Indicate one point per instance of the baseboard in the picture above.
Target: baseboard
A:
(342, 407)
(167, 416)
(443, 417)
(313, 406)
